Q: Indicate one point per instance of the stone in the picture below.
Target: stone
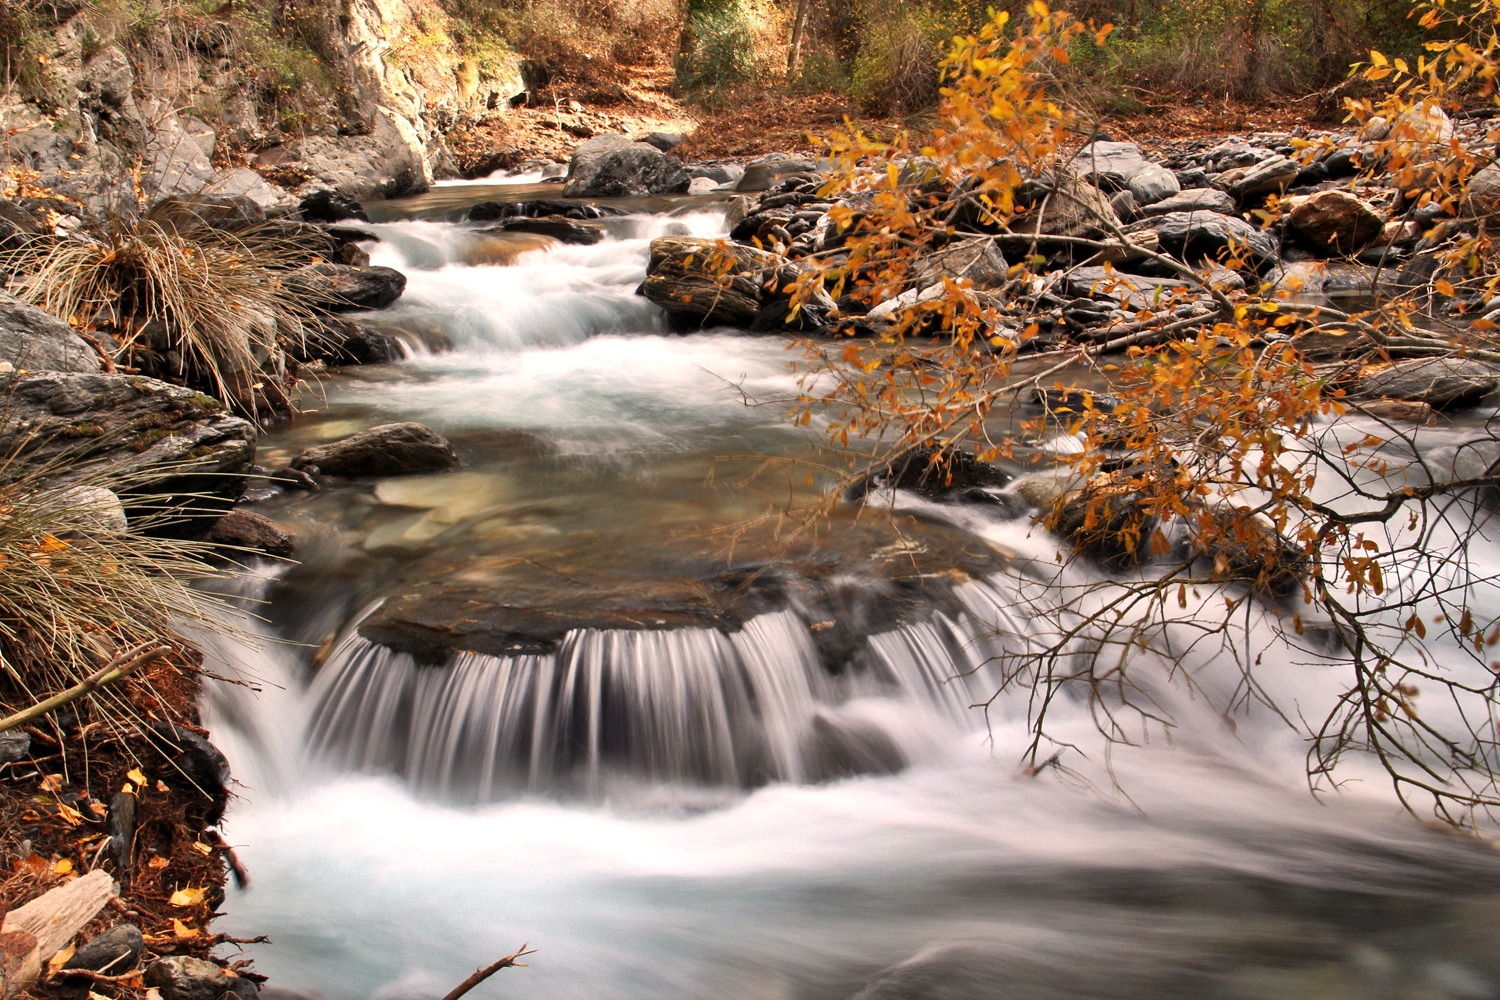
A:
(37, 341)
(159, 439)
(388, 162)
(330, 207)
(1070, 207)
(1442, 383)
(1404, 410)
(15, 744)
(1233, 153)
(1125, 205)
(956, 476)
(560, 229)
(1205, 199)
(977, 259)
(1191, 236)
(1153, 183)
(701, 185)
(1116, 166)
(1336, 221)
(684, 277)
(248, 194)
(1275, 174)
(1482, 196)
(97, 509)
(183, 977)
(245, 529)
(763, 173)
(112, 953)
(719, 173)
(199, 761)
(343, 288)
(665, 141)
(387, 450)
(611, 166)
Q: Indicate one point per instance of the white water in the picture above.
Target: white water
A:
(650, 827)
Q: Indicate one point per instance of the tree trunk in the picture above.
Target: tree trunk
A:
(799, 29)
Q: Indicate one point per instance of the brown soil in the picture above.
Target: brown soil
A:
(54, 821)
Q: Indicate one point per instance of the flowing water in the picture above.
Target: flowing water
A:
(799, 802)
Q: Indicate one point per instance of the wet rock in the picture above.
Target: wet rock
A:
(1205, 199)
(387, 450)
(495, 211)
(1192, 236)
(363, 346)
(611, 166)
(331, 206)
(112, 953)
(1116, 166)
(1442, 383)
(244, 529)
(200, 762)
(1275, 174)
(943, 476)
(14, 745)
(342, 288)
(762, 174)
(37, 341)
(1105, 521)
(1336, 221)
(183, 977)
(562, 230)
(160, 439)
(706, 284)
(1403, 410)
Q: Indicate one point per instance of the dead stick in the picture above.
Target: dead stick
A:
(121, 666)
(480, 975)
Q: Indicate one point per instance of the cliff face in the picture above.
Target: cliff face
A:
(224, 107)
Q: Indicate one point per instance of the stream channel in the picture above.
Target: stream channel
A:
(783, 793)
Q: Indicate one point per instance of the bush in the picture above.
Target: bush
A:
(896, 71)
(720, 50)
(188, 299)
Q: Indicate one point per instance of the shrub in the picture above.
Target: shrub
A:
(719, 50)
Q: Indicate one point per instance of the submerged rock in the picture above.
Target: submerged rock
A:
(387, 450)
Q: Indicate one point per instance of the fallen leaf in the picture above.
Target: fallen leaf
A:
(187, 897)
(182, 931)
(52, 783)
(60, 959)
(158, 863)
(202, 848)
(135, 775)
(63, 867)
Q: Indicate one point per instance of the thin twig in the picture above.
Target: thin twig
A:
(480, 975)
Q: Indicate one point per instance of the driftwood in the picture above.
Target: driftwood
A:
(480, 975)
(40, 929)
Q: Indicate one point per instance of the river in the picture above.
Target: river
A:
(710, 810)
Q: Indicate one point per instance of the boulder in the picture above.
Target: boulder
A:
(1482, 195)
(719, 173)
(1336, 221)
(246, 530)
(199, 761)
(611, 166)
(345, 288)
(159, 439)
(247, 194)
(1191, 236)
(762, 174)
(665, 141)
(1069, 206)
(947, 477)
(560, 229)
(183, 977)
(1204, 199)
(388, 162)
(40, 342)
(330, 207)
(386, 450)
(1116, 166)
(1275, 174)
(1442, 383)
(112, 953)
(977, 259)
(539, 208)
(707, 283)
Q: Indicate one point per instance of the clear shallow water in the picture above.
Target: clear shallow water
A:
(1195, 864)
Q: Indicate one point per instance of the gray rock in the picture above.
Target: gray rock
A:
(247, 193)
(1233, 153)
(344, 288)
(1205, 199)
(1192, 236)
(684, 278)
(386, 450)
(560, 229)
(330, 206)
(721, 173)
(157, 438)
(1442, 383)
(183, 977)
(389, 162)
(1274, 174)
(114, 952)
(701, 185)
(14, 745)
(1125, 205)
(1152, 184)
(38, 341)
(761, 174)
(98, 509)
(976, 259)
(1482, 196)
(665, 141)
(611, 166)
(1116, 166)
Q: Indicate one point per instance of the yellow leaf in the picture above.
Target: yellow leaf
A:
(1443, 286)
(182, 931)
(1378, 59)
(136, 776)
(202, 848)
(187, 897)
(158, 863)
(63, 867)
(57, 961)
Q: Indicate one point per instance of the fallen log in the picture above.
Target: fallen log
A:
(33, 933)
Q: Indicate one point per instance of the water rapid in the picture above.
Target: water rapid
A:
(818, 798)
